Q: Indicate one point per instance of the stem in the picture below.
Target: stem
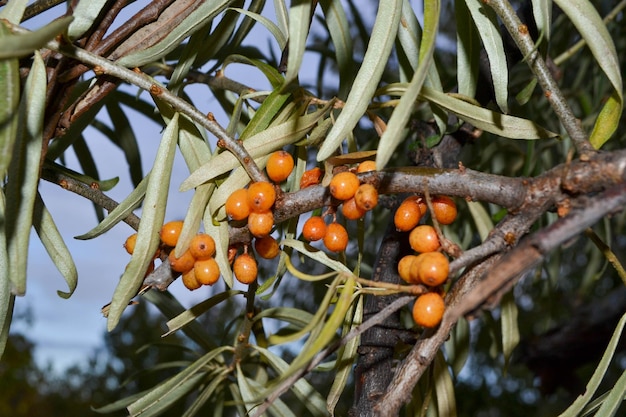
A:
(521, 36)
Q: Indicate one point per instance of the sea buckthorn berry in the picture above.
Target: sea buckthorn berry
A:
(336, 238)
(260, 224)
(404, 268)
(237, 206)
(424, 239)
(182, 264)
(279, 166)
(351, 210)
(407, 215)
(202, 246)
(261, 196)
(207, 271)
(190, 281)
(444, 209)
(267, 247)
(310, 177)
(366, 166)
(129, 245)
(314, 229)
(344, 185)
(366, 196)
(245, 268)
(428, 310)
(433, 268)
(414, 269)
(170, 232)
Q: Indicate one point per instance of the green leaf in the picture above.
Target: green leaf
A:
(18, 46)
(23, 175)
(271, 73)
(481, 218)
(316, 255)
(7, 300)
(395, 132)
(444, 388)
(13, 11)
(542, 12)
(271, 26)
(85, 13)
(614, 400)
(607, 122)
(299, 20)
(151, 222)
(55, 246)
(457, 347)
(374, 62)
(468, 50)
(489, 31)
(339, 30)
(510, 326)
(9, 103)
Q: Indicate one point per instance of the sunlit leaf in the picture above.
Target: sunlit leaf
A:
(18, 46)
(13, 11)
(339, 31)
(278, 35)
(85, 13)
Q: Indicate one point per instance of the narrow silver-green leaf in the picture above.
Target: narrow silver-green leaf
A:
(614, 399)
(468, 50)
(339, 30)
(444, 388)
(481, 218)
(85, 13)
(542, 12)
(393, 135)
(9, 103)
(153, 215)
(281, 40)
(316, 255)
(23, 175)
(55, 246)
(510, 327)
(489, 31)
(13, 11)
(299, 18)
(374, 62)
(6, 298)
(17, 46)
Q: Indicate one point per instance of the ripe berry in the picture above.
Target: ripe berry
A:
(407, 215)
(366, 196)
(344, 185)
(267, 247)
(170, 232)
(424, 239)
(444, 209)
(237, 206)
(260, 224)
(310, 177)
(279, 166)
(207, 271)
(129, 245)
(261, 196)
(245, 268)
(428, 310)
(190, 281)
(366, 166)
(182, 264)
(351, 210)
(433, 268)
(314, 229)
(202, 246)
(404, 268)
(336, 238)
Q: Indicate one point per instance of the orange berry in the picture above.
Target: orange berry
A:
(424, 239)
(207, 271)
(310, 177)
(202, 246)
(344, 185)
(433, 268)
(245, 268)
(261, 196)
(190, 281)
(267, 247)
(260, 224)
(428, 310)
(366, 166)
(407, 215)
(444, 209)
(414, 269)
(182, 264)
(366, 196)
(336, 238)
(351, 210)
(314, 229)
(404, 268)
(279, 166)
(237, 206)
(170, 232)
(129, 245)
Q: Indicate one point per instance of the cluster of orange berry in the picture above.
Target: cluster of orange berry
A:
(430, 267)
(357, 199)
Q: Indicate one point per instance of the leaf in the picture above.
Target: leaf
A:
(9, 103)
(339, 30)
(457, 347)
(21, 45)
(124, 137)
(468, 50)
(489, 31)
(374, 62)
(542, 12)
(281, 40)
(444, 388)
(608, 120)
(151, 222)
(299, 23)
(23, 174)
(614, 400)
(270, 72)
(85, 13)
(395, 132)
(510, 326)
(316, 255)
(481, 218)
(7, 299)
(13, 11)
(55, 246)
